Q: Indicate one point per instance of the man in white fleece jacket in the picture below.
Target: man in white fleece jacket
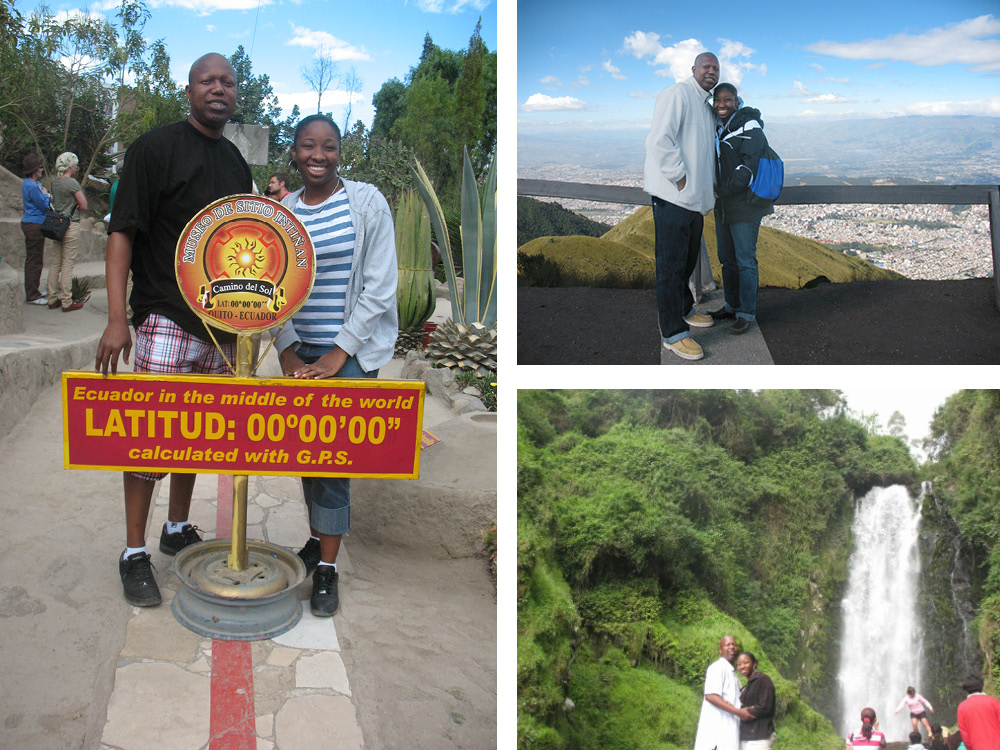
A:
(679, 175)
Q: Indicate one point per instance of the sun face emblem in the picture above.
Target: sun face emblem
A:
(246, 258)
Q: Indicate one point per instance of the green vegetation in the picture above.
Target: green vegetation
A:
(585, 261)
(537, 218)
(627, 249)
(540, 271)
(119, 85)
(652, 523)
(965, 444)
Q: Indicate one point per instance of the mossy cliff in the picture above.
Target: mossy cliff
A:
(965, 527)
(947, 597)
(652, 523)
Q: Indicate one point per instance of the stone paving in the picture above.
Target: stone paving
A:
(300, 682)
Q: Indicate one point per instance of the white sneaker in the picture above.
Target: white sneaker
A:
(39, 301)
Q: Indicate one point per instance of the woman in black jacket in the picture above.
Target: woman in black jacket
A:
(740, 141)
(757, 700)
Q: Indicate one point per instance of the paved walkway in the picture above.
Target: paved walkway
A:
(79, 668)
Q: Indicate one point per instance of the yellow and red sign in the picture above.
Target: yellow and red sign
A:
(224, 425)
(245, 263)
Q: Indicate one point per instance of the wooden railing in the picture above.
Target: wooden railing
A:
(809, 195)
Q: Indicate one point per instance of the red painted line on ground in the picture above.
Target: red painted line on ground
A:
(232, 724)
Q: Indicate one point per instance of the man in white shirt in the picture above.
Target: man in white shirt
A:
(679, 175)
(719, 724)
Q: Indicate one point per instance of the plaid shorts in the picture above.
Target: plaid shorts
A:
(163, 346)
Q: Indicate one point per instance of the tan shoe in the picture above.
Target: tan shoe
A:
(686, 348)
(697, 320)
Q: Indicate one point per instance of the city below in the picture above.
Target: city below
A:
(918, 241)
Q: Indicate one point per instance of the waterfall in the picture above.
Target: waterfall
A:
(881, 648)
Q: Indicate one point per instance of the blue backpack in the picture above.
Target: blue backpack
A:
(765, 187)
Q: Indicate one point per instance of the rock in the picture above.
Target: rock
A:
(463, 404)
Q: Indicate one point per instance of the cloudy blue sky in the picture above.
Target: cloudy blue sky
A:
(379, 39)
(602, 64)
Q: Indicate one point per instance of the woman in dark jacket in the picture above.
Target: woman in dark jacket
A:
(757, 701)
(740, 141)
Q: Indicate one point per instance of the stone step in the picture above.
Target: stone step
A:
(93, 240)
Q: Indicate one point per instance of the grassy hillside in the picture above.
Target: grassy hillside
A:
(591, 258)
(784, 259)
(537, 218)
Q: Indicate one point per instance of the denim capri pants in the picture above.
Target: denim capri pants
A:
(328, 499)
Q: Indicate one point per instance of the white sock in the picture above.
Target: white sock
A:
(332, 565)
(174, 526)
(129, 551)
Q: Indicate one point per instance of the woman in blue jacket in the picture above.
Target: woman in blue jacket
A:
(36, 202)
(739, 144)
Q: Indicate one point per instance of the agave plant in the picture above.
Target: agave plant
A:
(415, 296)
(469, 340)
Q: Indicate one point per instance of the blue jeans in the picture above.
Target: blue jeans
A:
(677, 243)
(328, 499)
(737, 245)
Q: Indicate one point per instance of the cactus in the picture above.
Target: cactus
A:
(415, 295)
(469, 340)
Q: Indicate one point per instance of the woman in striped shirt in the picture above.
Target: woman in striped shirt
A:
(347, 328)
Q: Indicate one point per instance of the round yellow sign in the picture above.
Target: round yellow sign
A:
(245, 263)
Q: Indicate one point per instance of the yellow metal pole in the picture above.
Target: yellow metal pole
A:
(238, 554)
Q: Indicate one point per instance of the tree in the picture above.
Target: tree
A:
(84, 45)
(256, 103)
(352, 85)
(470, 99)
(323, 73)
(369, 157)
(897, 424)
(390, 104)
(98, 77)
(448, 104)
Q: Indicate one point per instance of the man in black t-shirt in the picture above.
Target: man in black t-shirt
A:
(170, 174)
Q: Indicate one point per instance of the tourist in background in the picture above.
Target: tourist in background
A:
(979, 717)
(869, 734)
(678, 175)
(739, 144)
(916, 703)
(277, 186)
(937, 738)
(719, 723)
(757, 702)
(35, 201)
(69, 200)
(915, 743)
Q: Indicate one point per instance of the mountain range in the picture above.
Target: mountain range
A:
(948, 149)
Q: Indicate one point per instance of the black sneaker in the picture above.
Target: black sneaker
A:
(325, 600)
(722, 313)
(137, 580)
(310, 555)
(171, 544)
